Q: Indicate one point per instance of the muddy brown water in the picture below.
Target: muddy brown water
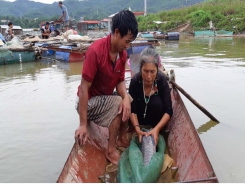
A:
(38, 117)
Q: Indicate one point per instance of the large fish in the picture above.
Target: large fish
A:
(147, 148)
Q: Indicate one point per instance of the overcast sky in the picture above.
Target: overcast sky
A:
(41, 1)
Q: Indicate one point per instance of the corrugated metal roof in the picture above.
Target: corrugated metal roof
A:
(104, 20)
(91, 21)
(6, 26)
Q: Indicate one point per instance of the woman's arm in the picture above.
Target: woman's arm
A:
(155, 131)
(135, 123)
(133, 118)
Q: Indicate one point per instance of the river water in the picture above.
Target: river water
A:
(38, 117)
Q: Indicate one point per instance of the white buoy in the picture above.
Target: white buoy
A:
(20, 58)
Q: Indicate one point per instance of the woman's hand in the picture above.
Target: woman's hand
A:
(140, 133)
(154, 132)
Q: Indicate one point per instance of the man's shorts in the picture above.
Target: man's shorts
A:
(66, 23)
(103, 109)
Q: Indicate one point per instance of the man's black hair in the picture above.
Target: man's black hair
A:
(10, 23)
(60, 2)
(126, 23)
(47, 23)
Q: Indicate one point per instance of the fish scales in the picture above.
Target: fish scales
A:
(147, 148)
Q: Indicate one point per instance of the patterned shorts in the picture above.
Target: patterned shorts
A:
(103, 109)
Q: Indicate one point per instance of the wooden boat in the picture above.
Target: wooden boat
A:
(88, 163)
(67, 53)
(11, 56)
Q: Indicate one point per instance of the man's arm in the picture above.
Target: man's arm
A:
(64, 15)
(121, 89)
(81, 134)
(60, 17)
(126, 104)
(83, 101)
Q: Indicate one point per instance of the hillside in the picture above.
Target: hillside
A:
(90, 9)
(224, 14)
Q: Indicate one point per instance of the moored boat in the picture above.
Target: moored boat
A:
(160, 35)
(11, 56)
(67, 53)
(190, 162)
(213, 33)
(172, 36)
(137, 46)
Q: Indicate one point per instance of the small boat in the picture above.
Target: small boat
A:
(137, 46)
(66, 53)
(172, 36)
(147, 35)
(160, 35)
(152, 34)
(191, 164)
(17, 55)
(213, 33)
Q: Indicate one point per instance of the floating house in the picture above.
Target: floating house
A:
(53, 25)
(17, 29)
(85, 25)
(104, 24)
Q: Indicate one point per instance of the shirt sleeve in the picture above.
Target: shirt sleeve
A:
(164, 93)
(133, 93)
(90, 65)
(63, 9)
(42, 30)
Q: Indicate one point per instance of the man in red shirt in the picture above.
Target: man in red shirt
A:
(103, 71)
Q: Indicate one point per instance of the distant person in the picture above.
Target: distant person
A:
(157, 27)
(64, 15)
(9, 33)
(45, 30)
(2, 40)
(56, 32)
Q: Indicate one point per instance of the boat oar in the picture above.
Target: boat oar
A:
(191, 99)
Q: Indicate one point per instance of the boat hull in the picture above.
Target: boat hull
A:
(12, 57)
(212, 33)
(185, 145)
(88, 163)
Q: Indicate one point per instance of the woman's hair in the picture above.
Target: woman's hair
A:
(10, 23)
(126, 22)
(149, 55)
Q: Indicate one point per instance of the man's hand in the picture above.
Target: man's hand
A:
(125, 108)
(81, 135)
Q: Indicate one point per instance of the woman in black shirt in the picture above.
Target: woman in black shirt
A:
(149, 89)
